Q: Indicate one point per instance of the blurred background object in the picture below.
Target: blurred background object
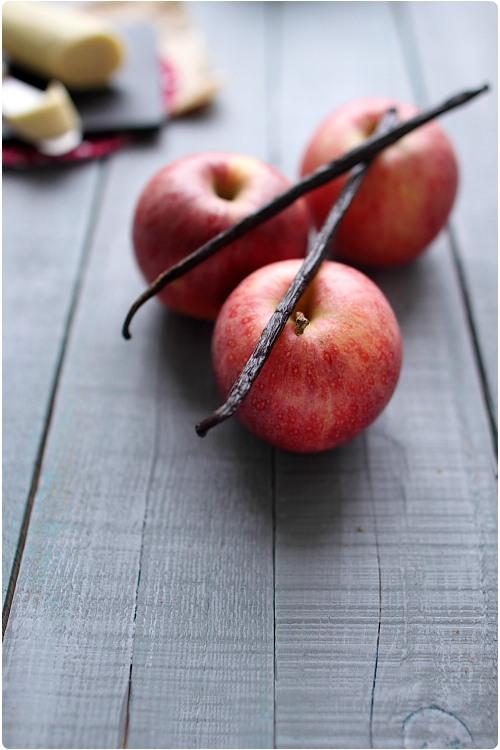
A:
(164, 72)
(191, 81)
(48, 119)
(78, 49)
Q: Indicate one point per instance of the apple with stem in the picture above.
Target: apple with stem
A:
(193, 199)
(334, 366)
(407, 195)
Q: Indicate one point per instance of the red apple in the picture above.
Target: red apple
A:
(194, 198)
(322, 387)
(407, 195)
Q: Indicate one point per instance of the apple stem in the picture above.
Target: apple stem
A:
(363, 153)
(285, 307)
(301, 323)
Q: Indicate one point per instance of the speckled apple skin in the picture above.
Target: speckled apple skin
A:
(322, 388)
(179, 210)
(407, 195)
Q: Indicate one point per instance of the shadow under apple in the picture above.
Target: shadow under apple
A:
(407, 287)
(323, 498)
(188, 393)
(319, 498)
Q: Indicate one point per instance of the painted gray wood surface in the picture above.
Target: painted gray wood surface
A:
(327, 587)
(46, 216)
(68, 642)
(128, 489)
(143, 613)
(444, 53)
(385, 556)
(203, 653)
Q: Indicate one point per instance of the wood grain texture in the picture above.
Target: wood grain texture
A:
(448, 45)
(202, 671)
(385, 548)
(68, 642)
(46, 216)
(432, 474)
(143, 614)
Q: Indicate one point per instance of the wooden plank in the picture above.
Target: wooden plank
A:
(449, 45)
(202, 671)
(385, 548)
(433, 482)
(46, 214)
(143, 612)
(68, 642)
(327, 585)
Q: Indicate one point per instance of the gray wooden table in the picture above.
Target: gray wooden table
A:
(163, 591)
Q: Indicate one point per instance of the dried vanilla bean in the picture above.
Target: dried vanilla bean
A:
(306, 273)
(363, 153)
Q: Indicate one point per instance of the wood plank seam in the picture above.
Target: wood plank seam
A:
(379, 571)
(124, 730)
(75, 297)
(476, 346)
(273, 501)
(411, 57)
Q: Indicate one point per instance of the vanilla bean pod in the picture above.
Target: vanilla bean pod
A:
(305, 274)
(363, 153)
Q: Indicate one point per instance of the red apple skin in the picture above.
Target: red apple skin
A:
(405, 198)
(180, 209)
(319, 389)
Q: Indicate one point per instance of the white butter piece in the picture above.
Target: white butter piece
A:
(72, 47)
(46, 118)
